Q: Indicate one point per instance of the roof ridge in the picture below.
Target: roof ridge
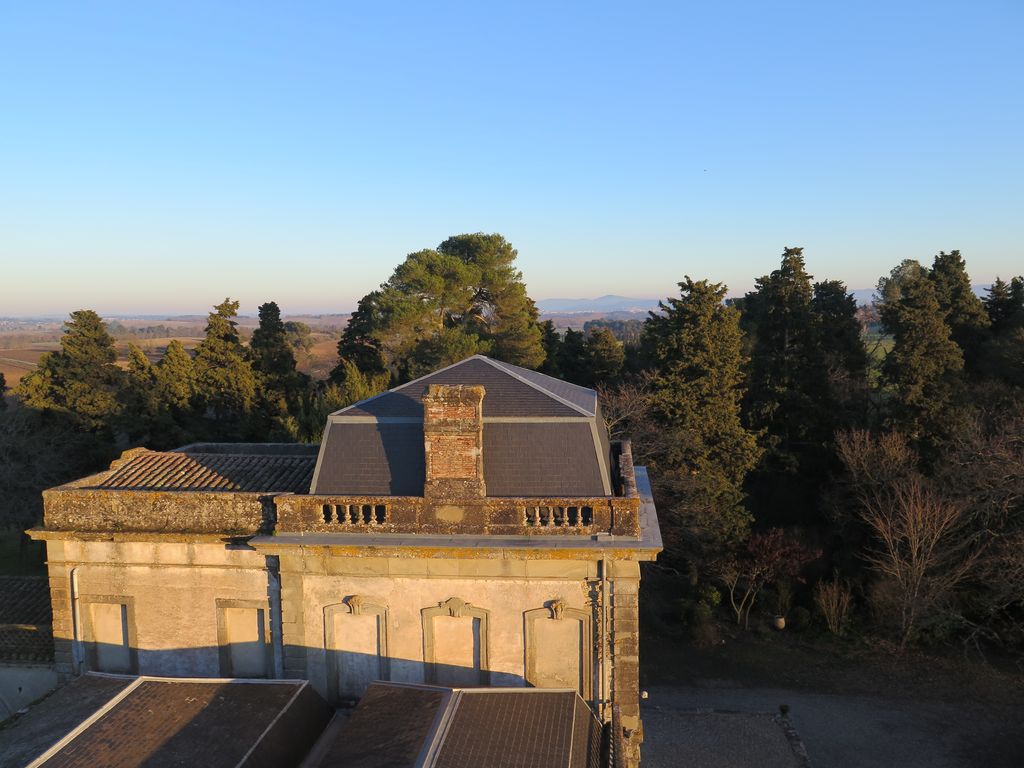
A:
(500, 365)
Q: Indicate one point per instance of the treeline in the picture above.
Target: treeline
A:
(794, 469)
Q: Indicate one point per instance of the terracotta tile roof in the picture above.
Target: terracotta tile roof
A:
(173, 471)
(210, 723)
(464, 728)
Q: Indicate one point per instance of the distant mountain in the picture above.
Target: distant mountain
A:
(600, 304)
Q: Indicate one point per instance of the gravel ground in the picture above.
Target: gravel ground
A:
(838, 731)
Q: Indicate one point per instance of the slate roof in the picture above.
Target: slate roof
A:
(163, 722)
(511, 391)
(238, 472)
(436, 727)
(541, 437)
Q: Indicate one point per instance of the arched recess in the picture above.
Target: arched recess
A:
(558, 643)
(456, 637)
(356, 643)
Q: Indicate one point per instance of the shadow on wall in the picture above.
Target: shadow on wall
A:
(339, 676)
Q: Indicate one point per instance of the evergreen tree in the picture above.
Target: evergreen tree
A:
(1005, 304)
(787, 397)
(442, 305)
(552, 344)
(273, 358)
(841, 346)
(607, 356)
(694, 346)
(225, 382)
(965, 313)
(140, 393)
(924, 367)
(176, 378)
(574, 360)
(81, 379)
(3, 391)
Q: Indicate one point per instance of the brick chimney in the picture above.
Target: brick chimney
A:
(453, 438)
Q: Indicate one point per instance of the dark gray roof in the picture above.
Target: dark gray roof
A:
(542, 437)
(520, 459)
(511, 391)
(436, 727)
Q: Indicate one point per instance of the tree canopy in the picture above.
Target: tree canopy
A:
(81, 379)
(441, 305)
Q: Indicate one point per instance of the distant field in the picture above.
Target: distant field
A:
(15, 363)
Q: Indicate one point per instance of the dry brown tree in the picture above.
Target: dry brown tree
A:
(921, 544)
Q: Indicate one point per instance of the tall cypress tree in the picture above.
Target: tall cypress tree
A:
(225, 382)
(3, 391)
(965, 313)
(176, 378)
(788, 385)
(573, 360)
(272, 356)
(552, 344)
(607, 356)
(924, 368)
(694, 347)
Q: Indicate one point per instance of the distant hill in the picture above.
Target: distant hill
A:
(610, 303)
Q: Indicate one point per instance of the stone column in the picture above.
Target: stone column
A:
(625, 620)
(453, 442)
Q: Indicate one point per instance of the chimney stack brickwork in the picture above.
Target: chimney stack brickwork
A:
(453, 442)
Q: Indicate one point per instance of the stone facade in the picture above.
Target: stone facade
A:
(452, 587)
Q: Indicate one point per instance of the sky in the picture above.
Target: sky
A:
(156, 157)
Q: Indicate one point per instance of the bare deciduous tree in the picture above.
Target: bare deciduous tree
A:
(922, 544)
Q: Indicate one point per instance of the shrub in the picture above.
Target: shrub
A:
(833, 600)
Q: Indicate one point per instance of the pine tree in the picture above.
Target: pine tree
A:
(225, 381)
(965, 313)
(694, 346)
(81, 379)
(442, 305)
(924, 367)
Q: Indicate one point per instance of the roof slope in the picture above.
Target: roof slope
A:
(511, 391)
(437, 727)
(175, 471)
(541, 437)
(163, 722)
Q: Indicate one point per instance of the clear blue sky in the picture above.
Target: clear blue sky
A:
(157, 156)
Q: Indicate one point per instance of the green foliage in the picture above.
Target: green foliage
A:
(606, 356)
(964, 312)
(702, 452)
(573, 360)
(300, 336)
(440, 306)
(176, 384)
(3, 391)
(552, 344)
(81, 380)
(316, 405)
(279, 386)
(225, 382)
(788, 386)
(924, 368)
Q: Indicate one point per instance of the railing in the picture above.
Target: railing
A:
(490, 516)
